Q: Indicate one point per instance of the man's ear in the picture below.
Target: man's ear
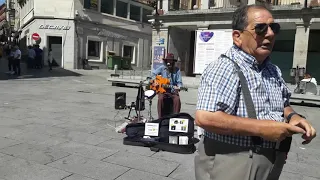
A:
(236, 36)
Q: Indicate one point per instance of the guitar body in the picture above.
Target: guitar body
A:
(162, 82)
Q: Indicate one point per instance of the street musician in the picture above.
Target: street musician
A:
(170, 71)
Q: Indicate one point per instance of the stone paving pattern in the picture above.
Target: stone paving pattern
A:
(58, 125)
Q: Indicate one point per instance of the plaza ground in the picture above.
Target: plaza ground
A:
(60, 125)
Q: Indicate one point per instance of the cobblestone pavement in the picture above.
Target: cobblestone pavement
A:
(60, 125)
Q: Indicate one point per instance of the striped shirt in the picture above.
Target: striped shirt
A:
(219, 90)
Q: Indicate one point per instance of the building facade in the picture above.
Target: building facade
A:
(296, 45)
(3, 22)
(86, 29)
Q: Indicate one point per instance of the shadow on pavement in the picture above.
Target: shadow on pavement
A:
(33, 73)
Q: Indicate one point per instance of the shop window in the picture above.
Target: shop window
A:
(107, 6)
(94, 48)
(145, 13)
(128, 51)
(91, 4)
(122, 9)
(135, 12)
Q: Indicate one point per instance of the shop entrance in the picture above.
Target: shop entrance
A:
(55, 43)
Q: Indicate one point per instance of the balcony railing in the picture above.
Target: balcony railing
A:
(290, 3)
(214, 4)
(186, 7)
(176, 5)
(182, 5)
(179, 5)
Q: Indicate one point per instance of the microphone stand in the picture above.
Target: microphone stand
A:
(139, 100)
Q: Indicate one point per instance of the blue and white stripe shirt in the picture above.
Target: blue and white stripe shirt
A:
(219, 90)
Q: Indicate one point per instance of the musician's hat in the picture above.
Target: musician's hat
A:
(170, 57)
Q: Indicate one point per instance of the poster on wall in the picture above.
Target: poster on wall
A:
(158, 55)
(209, 45)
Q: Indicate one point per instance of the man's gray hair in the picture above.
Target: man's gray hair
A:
(240, 16)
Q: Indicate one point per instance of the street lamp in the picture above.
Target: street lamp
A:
(155, 23)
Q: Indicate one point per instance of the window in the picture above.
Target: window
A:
(90, 4)
(107, 6)
(94, 48)
(135, 12)
(122, 9)
(128, 52)
(175, 5)
(145, 13)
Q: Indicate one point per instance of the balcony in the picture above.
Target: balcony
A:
(177, 5)
(289, 4)
(229, 4)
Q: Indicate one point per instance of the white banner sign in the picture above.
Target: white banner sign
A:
(151, 129)
(210, 44)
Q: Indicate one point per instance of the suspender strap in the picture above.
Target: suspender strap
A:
(257, 141)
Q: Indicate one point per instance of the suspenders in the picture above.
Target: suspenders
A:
(257, 141)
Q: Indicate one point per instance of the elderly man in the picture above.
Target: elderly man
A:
(170, 71)
(237, 145)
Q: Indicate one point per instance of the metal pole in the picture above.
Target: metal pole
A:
(139, 100)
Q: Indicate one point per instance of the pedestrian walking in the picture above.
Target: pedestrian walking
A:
(50, 59)
(17, 61)
(31, 57)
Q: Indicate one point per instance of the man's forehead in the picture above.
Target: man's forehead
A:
(259, 15)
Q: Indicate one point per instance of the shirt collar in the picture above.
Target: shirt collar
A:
(249, 59)
(166, 68)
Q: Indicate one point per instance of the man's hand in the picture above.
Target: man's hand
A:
(155, 83)
(304, 124)
(278, 131)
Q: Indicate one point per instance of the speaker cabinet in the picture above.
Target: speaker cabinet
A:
(120, 100)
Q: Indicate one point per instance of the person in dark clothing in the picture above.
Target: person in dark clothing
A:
(38, 59)
(31, 57)
(10, 54)
(50, 59)
(8, 50)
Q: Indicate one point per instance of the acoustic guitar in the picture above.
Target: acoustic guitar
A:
(162, 84)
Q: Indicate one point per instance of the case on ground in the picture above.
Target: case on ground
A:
(136, 134)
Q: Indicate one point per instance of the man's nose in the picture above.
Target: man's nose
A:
(270, 32)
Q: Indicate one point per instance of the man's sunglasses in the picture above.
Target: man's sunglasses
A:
(262, 28)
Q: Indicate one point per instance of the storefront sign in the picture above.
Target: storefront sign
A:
(55, 27)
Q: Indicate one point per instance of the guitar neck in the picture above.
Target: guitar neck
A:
(171, 86)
